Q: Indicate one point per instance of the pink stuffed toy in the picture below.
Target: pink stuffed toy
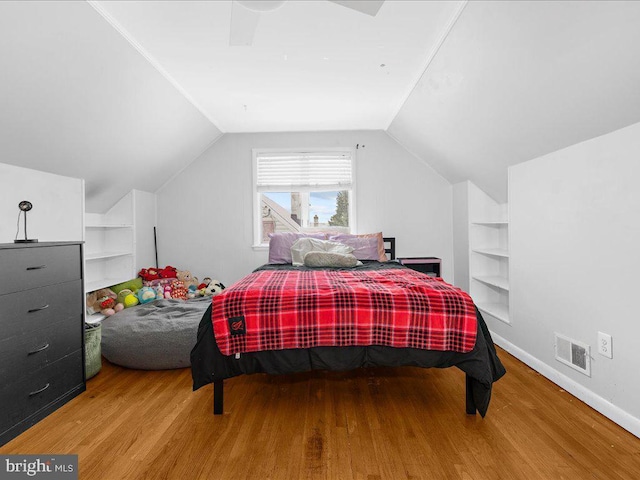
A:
(178, 290)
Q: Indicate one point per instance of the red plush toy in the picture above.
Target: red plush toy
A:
(168, 272)
(148, 274)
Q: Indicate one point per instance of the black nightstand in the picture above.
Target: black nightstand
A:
(428, 265)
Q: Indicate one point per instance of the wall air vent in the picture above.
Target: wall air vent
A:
(575, 354)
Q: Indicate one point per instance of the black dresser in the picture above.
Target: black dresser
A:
(41, 332)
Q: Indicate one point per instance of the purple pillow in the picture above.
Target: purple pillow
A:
(280, 244)
(364, 247)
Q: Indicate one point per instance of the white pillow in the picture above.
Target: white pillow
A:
(302, 246)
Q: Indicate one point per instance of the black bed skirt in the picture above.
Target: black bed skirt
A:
(481, 364)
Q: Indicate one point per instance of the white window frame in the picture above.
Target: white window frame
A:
(257, 214)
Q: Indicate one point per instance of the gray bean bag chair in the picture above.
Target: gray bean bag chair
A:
(155, 336)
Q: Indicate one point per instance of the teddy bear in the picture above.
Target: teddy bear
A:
(186, 278)
(103, 301)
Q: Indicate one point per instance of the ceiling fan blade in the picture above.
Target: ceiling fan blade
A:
(243, 25)
(370, 7)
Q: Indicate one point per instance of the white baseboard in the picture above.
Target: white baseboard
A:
(606, 408)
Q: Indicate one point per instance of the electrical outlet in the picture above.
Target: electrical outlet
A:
(604, 345)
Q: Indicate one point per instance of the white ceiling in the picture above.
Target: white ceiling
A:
(509, 82)
(314, 65)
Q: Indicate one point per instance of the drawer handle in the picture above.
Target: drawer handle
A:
(39, 391)
(38, 309)
(32, 352)
(39, 267)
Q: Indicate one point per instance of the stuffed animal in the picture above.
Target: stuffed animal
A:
(103, 301)
(148, 274)
(134, 285)
(127, 298)
(186, 278)
(92, 299)
(168, 272)
(146, 295)
(178, 290)
(200, 292)
(214, 288)
(122, 295)
(130, 300)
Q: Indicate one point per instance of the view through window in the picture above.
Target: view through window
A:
(311, 202)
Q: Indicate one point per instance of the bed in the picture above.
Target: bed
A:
(451, 330)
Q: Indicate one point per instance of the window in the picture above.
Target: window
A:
(302, 191)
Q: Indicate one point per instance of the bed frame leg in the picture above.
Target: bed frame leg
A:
(218, 397)
(471, 405)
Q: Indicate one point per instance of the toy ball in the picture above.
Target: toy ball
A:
(130, 300)
(123, 294)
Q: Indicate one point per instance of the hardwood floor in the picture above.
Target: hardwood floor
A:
(389, 423)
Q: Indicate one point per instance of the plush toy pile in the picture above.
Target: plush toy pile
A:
(181, 284)
(151, 284)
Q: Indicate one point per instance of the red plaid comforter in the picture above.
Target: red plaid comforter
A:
(282, 309)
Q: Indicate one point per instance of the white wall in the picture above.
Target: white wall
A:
(205, 213)
(574, 236)
(58, 205)
(461, 235)
(144, 213)
(78, 99)
(516, 80)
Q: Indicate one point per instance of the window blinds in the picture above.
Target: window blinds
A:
(304, 171)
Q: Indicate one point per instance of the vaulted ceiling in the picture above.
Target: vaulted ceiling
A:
(313, 65)
(126, 94)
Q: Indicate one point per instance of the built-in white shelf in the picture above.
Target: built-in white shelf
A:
(95, 318)
(488, 255)
(103, 255)
(495, 252)
(110, 245)
(492, 223)
(122, 225)
(493, 280)
(97, 284)
(497, 310)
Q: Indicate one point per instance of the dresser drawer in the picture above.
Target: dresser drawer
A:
(34, 392)
(26, 268)
(26, 312)
(23, 355)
